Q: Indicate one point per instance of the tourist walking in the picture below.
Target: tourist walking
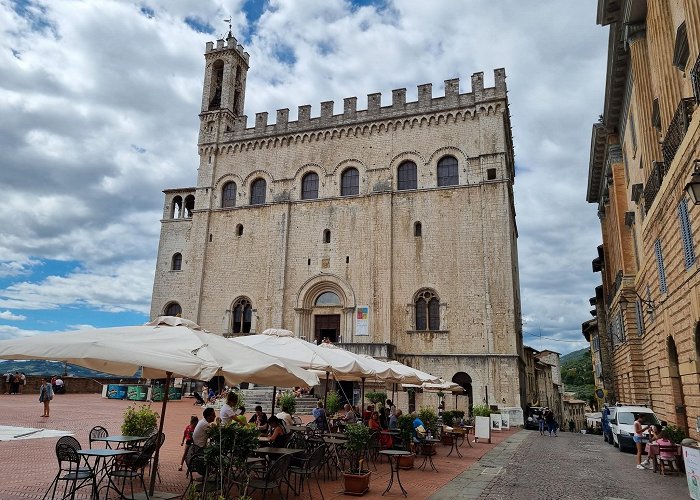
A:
(187, 438)
(45, 395)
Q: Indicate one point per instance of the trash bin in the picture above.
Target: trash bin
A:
(137, 393)
(115, 391)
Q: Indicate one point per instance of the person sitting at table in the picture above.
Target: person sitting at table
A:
(320, 417)
(394, 420)
(227, 412)
(260, 419)
(199, 435)
(211, 395)
(367, 414)
(285, 419)
(384, 415)
(350, 416)
(418, 427)
(278, 437)
(385, 440)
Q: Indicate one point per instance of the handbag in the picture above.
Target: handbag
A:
(420, 431)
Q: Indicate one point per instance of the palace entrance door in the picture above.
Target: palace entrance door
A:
(326, 325)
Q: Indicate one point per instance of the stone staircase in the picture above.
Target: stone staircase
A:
(262, 395)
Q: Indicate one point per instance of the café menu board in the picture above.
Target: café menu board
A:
(691, 457)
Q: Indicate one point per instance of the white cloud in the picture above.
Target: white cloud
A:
(100, 114)
(9, 315)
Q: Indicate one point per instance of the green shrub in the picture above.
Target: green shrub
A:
(675, 433)
(139, 421)
(376, 398)
(333, 403)
(405, 426)
(357, 441)
(448, 418)
(429, 417)
(481, 411)
(287, 402)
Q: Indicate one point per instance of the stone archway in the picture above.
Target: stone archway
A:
(465, 381)
(676, 385)
(316, 316)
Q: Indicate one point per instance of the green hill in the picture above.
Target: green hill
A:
(577, 374)
(574, 355)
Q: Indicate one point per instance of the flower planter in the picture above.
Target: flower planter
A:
(406, 461)
(356, 484)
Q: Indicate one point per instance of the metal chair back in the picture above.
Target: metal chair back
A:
(97, 432)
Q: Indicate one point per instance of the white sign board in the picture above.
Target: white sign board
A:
(505, 420)
(482, 428)
(691, 457)
(515, 416)
(496, 421)
(362, 321)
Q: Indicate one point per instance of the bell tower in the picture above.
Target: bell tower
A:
(223, 95)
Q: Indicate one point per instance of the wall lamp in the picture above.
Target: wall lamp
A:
(693, 186)
(648, 303)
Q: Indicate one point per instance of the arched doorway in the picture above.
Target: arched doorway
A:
(465, 381)
(325, 308)
(676, 385)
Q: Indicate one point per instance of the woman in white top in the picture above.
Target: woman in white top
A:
(638, 430)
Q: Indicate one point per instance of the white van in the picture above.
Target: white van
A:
(622, 425)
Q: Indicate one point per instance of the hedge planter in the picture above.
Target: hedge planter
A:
(406, 461)
(356, 484)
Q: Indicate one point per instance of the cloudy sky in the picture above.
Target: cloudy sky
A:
(99, 102)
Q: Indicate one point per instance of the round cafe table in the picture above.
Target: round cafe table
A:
(428, 450)
(393, 456)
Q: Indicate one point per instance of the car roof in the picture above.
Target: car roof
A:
(639, 409)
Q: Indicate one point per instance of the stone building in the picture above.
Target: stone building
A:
(390, 230)
(644, 150)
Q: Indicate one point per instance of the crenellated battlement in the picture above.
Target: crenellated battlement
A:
(229, 43)
(374, 111)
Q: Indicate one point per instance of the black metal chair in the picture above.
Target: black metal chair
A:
(273, 478)
(132, 469)
(308, 467)
(97, 432)
(70, 472)
(296, 420)
(201, 475)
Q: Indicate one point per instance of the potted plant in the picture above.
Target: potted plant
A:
(287, 402)
(139, 421)
(376, 398)
(333, 403)
(356, 477)
(404, 425)
(228, 449)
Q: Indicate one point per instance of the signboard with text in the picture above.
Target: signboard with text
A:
(362, 321)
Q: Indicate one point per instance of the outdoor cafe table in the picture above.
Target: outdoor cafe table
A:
(103, 456)
(298, 428)
(467, 428)
(120, 440)
(340, 435)
(393, 455)
(428, 454)
(455, 447)
(274, 450)
(333, 443)
(652, 450)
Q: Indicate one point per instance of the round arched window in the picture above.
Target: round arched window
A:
(328, 299)
(173, 309)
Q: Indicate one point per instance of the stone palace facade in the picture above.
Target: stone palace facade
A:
(391, 229)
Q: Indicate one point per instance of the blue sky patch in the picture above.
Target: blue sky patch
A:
(70, 318)
(254, 9)
(148, 12)
(285, 54)
(199, 25)
(35, 14)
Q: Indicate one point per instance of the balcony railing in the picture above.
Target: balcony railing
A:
(695, 79)
(653, 183)
(677, 129)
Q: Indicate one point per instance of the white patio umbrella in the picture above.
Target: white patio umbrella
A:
(163, 348)
(408, 371)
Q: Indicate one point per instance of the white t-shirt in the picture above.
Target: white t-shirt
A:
(59, 382)
(287, 418)
(226, 413)
(199, 436)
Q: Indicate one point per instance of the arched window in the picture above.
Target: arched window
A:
(176, 208)
(327, 299)
(257, 192)
(427, 311)
(448, 171)
(177, 262)
(407, 176)
(239, 230)
(242, 315)
(350, 182)
(417, 229)
(173, 309)
(189, 206)
(309, 186)
(228, 195)
(327, 236)
(217, 79)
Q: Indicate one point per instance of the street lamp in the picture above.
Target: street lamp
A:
(693, 186)
(648, 303)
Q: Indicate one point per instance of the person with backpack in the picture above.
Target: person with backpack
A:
(45, 395)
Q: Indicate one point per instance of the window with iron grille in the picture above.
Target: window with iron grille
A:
(228, 195)
(640, 317)
(408, 176)
(686, 234)
(257, 192)
(309, 186)
(448, 171)
(350, 182)
(660, 266)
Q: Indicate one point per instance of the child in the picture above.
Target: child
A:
(187, 438)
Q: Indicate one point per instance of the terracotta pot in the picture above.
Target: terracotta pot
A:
(406, 461)
(356, 484)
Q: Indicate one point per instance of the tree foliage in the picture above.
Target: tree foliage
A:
(577, 370)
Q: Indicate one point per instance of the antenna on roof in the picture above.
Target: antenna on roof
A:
(230, 34)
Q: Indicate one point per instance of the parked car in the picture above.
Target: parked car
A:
(622, 425)
(534, 413)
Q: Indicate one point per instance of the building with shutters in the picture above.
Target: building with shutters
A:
(644, 150)
(390, 229)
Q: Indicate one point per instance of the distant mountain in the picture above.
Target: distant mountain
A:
(573, 356)
(49, 368)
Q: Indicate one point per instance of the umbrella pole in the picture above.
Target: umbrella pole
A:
(274, 393)
(362, 409)
(154, 472)
(325, 396)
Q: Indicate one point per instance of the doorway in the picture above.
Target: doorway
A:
(676, 386)
(326, 325)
